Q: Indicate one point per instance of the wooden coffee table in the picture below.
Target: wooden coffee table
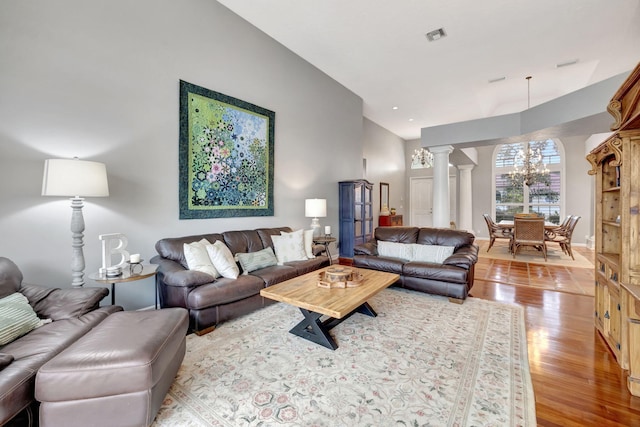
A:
(336, 303)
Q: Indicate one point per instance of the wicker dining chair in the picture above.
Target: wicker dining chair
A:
(563, 235)
(496, 232)
(529, 232)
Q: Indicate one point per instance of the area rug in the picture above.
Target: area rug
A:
(423, 361)
(555, 256)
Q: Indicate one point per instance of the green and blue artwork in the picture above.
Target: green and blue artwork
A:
(226, 155)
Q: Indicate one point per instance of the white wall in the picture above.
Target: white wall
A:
(385, 154)
(99, 80)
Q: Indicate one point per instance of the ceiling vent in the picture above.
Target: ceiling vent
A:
(435, 34)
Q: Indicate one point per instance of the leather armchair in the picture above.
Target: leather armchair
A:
(73, 312)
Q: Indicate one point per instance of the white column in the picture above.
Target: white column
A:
(441, 185)
(466, 202)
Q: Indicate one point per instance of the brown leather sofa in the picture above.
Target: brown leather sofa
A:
(211, 302)
(73, 312)
(453, 278)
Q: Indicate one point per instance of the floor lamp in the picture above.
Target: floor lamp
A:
(76, 179)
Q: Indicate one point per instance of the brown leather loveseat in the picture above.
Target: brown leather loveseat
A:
(213, 301)
(452, 277)
(72, 313)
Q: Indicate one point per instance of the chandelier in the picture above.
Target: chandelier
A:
(528, 165)
(422, 158)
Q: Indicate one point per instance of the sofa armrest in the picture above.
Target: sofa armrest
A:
(369, 248)
(171, 273)
(464, 257)
(58, 304)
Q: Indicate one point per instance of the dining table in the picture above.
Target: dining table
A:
(549, 227)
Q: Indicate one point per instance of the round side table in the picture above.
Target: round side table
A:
(128, 275)
(325, 241)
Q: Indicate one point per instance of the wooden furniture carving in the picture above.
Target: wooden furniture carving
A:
(390, 221)
(617, 277)
(355, 215)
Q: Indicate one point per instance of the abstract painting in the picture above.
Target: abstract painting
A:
(226, 155)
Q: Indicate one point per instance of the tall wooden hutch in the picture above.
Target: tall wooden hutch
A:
(356, 215)
(616, 166)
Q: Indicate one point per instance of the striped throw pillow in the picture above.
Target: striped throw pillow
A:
(16, 317)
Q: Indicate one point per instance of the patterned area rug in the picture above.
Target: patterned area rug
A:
(422, 361)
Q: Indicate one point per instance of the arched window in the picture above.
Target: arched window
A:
(534, 189)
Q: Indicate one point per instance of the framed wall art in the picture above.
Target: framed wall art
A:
(226, 155)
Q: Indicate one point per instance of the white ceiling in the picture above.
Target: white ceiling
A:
(378, 50)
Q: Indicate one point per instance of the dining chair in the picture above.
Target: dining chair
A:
(563, 235)
(495, 231)
(529, 232)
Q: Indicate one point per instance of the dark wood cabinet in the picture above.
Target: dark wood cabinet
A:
(356, 215)
(390, 221)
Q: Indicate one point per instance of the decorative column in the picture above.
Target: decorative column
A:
(441, 185)
(465, 209)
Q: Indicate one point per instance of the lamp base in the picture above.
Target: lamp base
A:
(315, 226)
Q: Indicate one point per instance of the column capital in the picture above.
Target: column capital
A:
(441, 149)
(465, 167)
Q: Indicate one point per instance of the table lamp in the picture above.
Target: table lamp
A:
(315, 208)
(76, 179)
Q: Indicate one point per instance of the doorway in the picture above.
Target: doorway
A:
(421, 202)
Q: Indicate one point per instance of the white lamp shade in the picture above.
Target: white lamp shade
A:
(315, 208)
(74, 178)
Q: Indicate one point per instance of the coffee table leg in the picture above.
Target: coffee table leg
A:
(312, 329)
(367, 309)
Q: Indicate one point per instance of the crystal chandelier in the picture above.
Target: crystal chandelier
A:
(422, 158)
(528, 165)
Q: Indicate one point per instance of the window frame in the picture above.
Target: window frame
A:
(559, 167)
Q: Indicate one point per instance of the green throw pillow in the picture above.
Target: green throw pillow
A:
(16, 317)
(256, 260)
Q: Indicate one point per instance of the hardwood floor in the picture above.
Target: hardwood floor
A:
(576, 380)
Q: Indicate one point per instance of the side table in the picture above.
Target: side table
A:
(128, 275)
(325, 241)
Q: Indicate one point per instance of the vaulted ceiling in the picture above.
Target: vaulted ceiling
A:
(378, 50)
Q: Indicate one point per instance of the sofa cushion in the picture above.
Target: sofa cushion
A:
(256, 260)
(430, 253)
(275, 274)
(308, 244)
(243, 241)
(224, 291)
(440, 272)
(395, 250)
(444, 237)
(16, 317)
(308, 265)
(197, 257)
(391, 265)
(397, 234)
(172, 247)
(10, 277)
(222, 259)
(5, 360)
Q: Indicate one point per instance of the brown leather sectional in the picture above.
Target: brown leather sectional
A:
(453, 278)
(211, 302)
(74, 312)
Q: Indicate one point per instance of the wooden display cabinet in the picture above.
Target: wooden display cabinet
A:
(615, 164)
(390, 221)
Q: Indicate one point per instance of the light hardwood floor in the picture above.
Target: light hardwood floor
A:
(576, 380)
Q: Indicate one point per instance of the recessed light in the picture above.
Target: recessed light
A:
(435, 34)
(394, 108)
(566, 63)
(410, 120)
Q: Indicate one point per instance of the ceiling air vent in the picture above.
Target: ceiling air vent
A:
(435, 34)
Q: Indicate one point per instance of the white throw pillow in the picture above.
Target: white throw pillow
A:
(222, 260)
(198, 258)
(431, 253)
(289, 246)
(308, 243)
(395, 250)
